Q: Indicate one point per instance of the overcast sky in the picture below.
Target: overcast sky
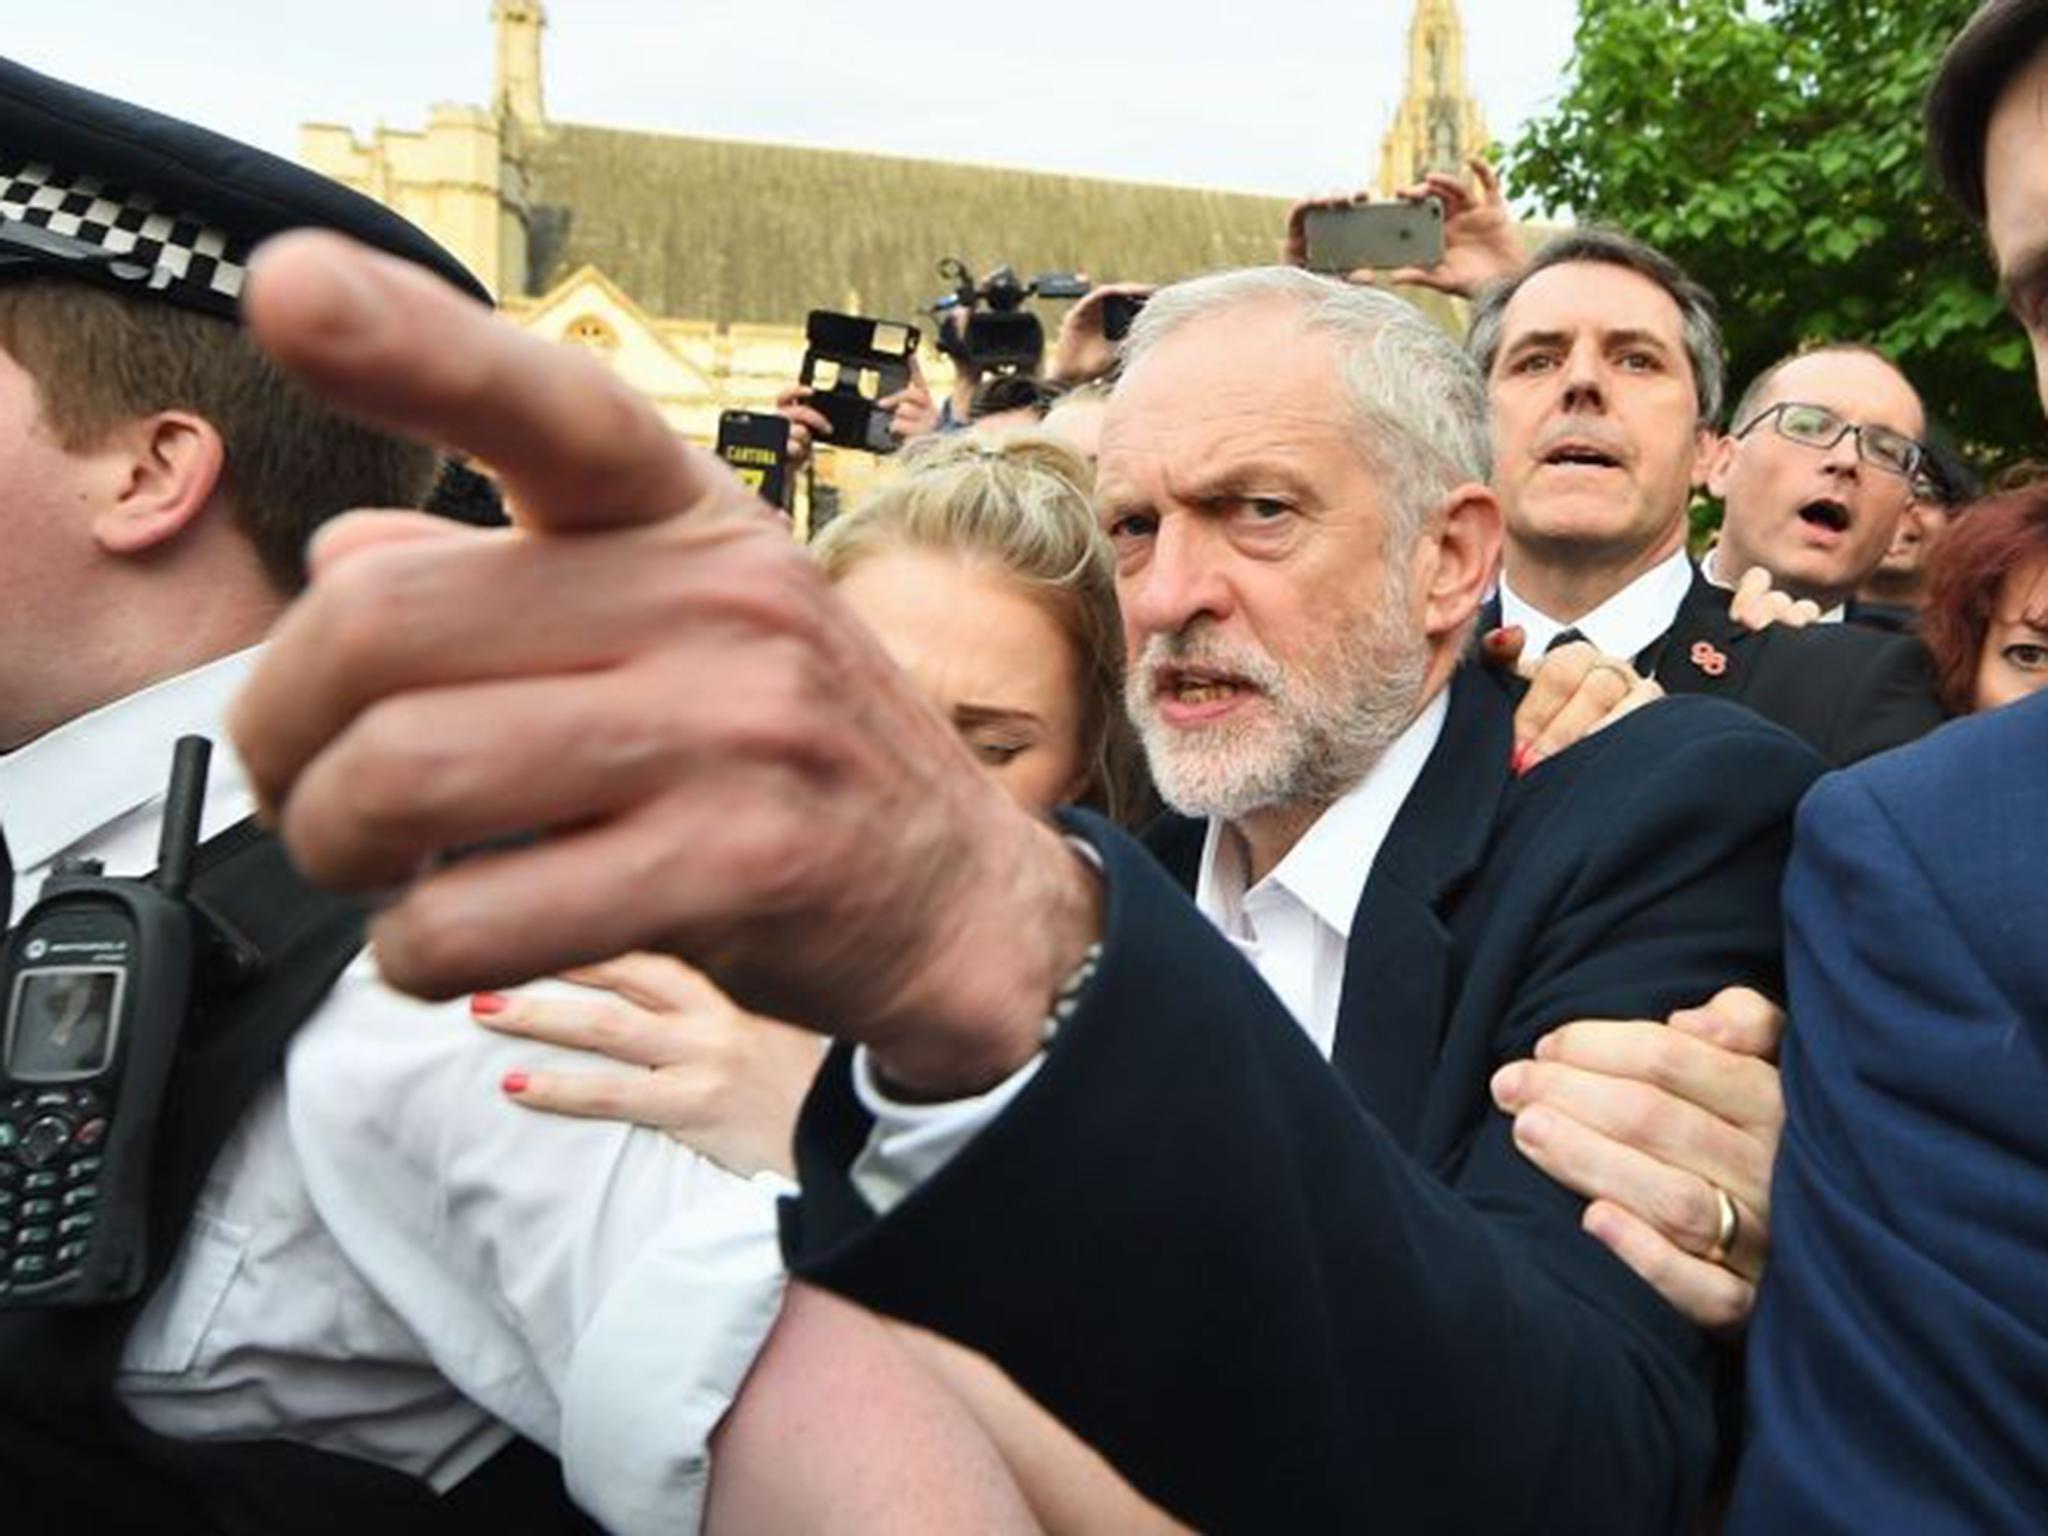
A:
(1285, 96)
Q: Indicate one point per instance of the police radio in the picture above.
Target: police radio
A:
(98, 976)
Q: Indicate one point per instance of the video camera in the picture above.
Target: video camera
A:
(999, 334)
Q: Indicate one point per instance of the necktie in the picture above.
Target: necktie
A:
(1562, 637)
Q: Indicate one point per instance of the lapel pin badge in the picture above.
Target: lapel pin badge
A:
(1709, 660)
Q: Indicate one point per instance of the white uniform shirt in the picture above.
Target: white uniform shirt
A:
(1293, 925)
(1625, 625)
(391, 1260)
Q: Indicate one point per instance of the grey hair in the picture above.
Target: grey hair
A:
(1700, 323)
(1418, 404)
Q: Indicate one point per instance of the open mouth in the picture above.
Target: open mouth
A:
(1194, 686)
(1581, 455)
(1825, 513)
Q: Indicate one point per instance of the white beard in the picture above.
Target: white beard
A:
(1314, 734)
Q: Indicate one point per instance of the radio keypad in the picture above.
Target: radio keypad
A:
(50, 1140)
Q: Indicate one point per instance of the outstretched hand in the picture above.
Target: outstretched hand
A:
(1670, 1131)
(1759, 605)
(1481, 244)
(644, 710)
(1574, 691)
(1082, 353)
(719, 1079)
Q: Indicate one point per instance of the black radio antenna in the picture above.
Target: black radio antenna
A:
(183, 802)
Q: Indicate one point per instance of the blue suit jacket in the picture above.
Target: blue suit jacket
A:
(1899, 1360)
(1280, 1293)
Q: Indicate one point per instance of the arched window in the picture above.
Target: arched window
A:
(592, 332)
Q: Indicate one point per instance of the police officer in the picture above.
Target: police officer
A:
(313, 1352)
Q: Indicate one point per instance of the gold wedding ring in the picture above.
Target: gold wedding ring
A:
(1731, 1223)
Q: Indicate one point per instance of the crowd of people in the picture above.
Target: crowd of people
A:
(1253, 943)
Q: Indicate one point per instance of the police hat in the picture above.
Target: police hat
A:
(96, 189)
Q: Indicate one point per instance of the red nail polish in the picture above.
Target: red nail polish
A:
(515, 1082)
(487, 1002)
(1518, 760)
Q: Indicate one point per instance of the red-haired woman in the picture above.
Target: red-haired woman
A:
(1986, 615)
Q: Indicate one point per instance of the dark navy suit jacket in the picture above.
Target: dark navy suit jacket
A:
(1279, 1296)
(1899, 1359)
(1845, 690)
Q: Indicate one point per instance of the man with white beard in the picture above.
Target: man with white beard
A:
(1268, 1249)
(1294, 476)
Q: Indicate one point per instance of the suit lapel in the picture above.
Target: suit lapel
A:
(1397, 972)
(1704, 650)
(1176, 842)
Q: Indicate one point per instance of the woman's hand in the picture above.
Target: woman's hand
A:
(725, 1082)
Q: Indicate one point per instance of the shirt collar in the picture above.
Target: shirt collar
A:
(69, 783)
(1326, 870)
(1627, 624)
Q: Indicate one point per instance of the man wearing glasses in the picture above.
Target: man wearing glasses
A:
(1816, 470)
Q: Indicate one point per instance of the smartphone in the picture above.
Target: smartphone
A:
(755, 444)
(851, 362)
(1397, 234)
(1118, 311)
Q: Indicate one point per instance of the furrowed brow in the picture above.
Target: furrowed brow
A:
(1535, 341)
(1649, 340)
(1260, 477)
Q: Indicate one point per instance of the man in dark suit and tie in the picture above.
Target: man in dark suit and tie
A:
(1604, 366)
(1901, 1346)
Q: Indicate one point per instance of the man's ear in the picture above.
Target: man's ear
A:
(165, 467)
(1458, 559)
(1716, 458)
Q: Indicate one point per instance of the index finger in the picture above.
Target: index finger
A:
(1737, 1089)
(391, 345)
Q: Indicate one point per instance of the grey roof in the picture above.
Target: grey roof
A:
(744, 232)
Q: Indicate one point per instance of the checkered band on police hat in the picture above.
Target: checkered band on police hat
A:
(168, 252)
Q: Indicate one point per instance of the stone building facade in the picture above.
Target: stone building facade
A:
(689, 263)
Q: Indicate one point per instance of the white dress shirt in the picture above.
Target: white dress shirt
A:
(1295, 923)
(391, 1260)
(1625, 625)
(1710, 567)
(1293, 926)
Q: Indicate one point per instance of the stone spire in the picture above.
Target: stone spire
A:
(515, 90)
(1438, 123)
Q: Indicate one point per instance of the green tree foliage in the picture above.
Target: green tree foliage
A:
(1774, 147)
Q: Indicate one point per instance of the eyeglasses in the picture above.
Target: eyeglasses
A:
(1815, 426)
